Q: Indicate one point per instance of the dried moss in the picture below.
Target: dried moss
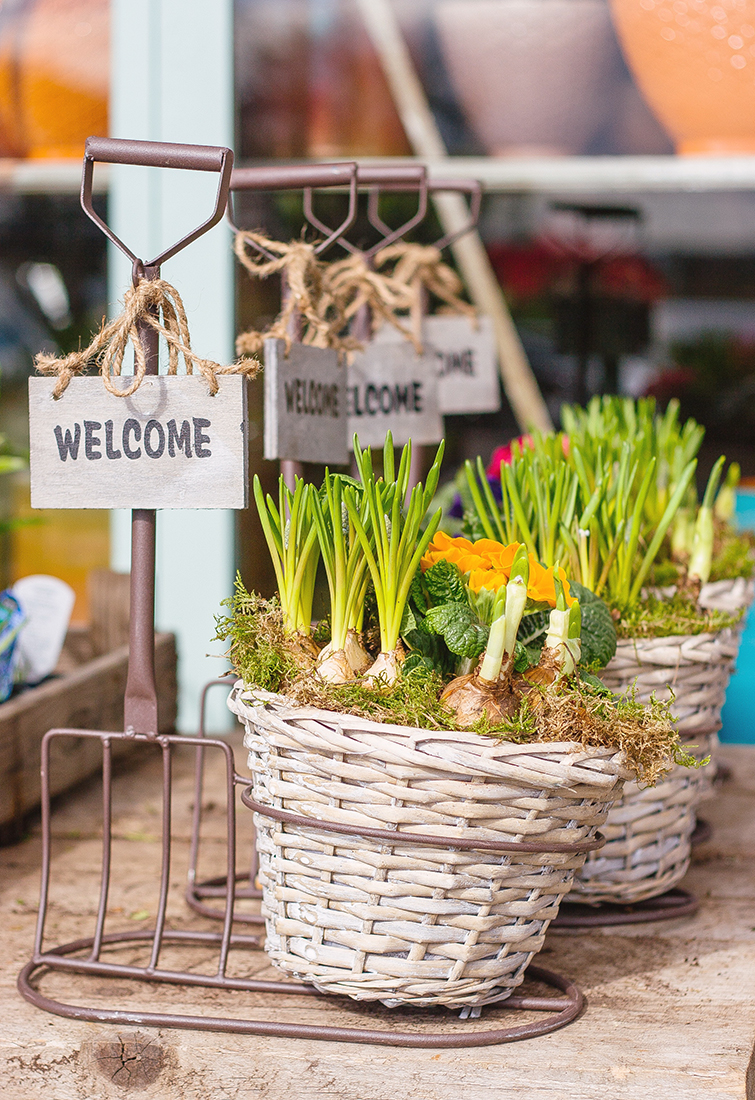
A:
(652, 617)
(645, 733)
(264, 657)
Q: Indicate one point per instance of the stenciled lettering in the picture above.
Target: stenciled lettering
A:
(91, 440)
(200, 438)
(308, 397)
(371, 400)
(456, 362)
(131, 427)
(157, 438)
(110, 450)
(180, 440)
(68, 444)
(154, 428)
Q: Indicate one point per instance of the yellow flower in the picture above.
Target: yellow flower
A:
(459, 551)
(497, 555)
(542, 587)
(488, 565)
(492, 579)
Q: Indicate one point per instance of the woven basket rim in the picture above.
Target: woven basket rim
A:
(243, 698)
(294, 710)
(675, 639)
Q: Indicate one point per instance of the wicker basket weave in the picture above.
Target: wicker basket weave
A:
(405, 922)
(648, 832)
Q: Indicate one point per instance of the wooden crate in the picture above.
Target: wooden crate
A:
(88, 695)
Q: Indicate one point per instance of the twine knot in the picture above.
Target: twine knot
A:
(421, 269)
(153, 302)
(324, 298)
(305, 301)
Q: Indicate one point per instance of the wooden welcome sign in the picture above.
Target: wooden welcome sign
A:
(305, 404)
(169, 445)
(391, 388)
(466, 359)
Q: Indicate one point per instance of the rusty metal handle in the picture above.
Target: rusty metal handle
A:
(292, 177)
(470, 187)
(156, 154)
(473, 188)
(386, 177)
(437, 840)
(392, 176)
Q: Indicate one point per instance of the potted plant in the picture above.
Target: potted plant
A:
(427, 784)
(611, 497)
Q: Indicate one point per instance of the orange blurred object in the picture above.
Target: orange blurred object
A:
(68, 543)
(350, 109)
(54, 76)
(694, 61)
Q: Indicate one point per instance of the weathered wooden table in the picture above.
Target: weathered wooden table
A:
(670, 1016)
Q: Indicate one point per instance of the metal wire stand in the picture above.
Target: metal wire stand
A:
(702, 832)
(669, 906)
(91, 955)
(215, 888)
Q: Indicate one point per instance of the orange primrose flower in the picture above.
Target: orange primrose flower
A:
(487, 564)
(542, 587)
(492, 579)
(459, 551)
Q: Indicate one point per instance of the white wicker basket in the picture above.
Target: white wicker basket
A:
(648, 831)
(405, 921)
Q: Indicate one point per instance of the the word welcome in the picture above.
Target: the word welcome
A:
(155, 439)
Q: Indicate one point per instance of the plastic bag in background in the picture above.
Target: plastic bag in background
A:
(47, 603)
(11, 621)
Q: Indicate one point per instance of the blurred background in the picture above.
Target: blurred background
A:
(617, 145)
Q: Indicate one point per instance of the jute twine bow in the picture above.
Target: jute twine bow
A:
(420, 267)
(157, 304)
(352, 283)
(326, 297)
(316, 311)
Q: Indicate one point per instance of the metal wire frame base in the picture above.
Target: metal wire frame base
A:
(561, 1010)
(197, 892)
(84, 957)
(669, 906)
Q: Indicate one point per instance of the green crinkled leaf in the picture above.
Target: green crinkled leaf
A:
(598, 628)
(417, 661)
(593, 682)
(584, 595)
(533, 628)
(408, 621)
(417, 593)
(459, 627)
(525, 656)
(443, 582)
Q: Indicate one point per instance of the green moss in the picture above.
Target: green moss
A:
(259, 650)
(679, 614)
(733, 557)
(413, 700)
(265, 657)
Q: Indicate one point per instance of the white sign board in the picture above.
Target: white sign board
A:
(305, 404)
(465, 354)
(169, 445)
(391, 388)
